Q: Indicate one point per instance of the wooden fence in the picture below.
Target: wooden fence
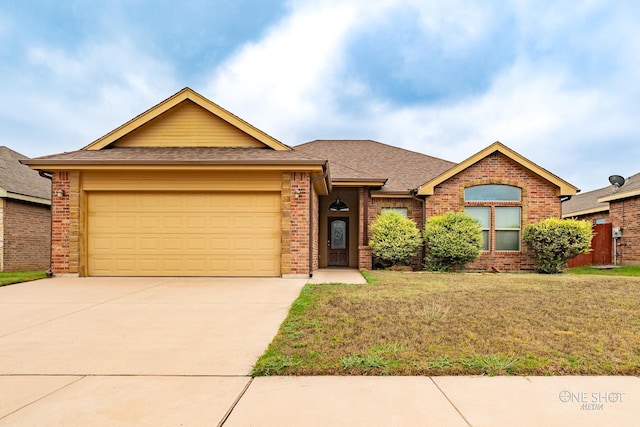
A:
(600, 251)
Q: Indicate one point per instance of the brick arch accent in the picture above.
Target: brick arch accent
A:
(502, 181)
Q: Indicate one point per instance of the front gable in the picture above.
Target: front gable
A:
(188, 125)
(187, 119)
(564, 188)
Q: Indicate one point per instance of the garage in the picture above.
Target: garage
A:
(183, 234)
(185, 189)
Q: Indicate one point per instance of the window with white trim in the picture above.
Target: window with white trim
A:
(498, 208)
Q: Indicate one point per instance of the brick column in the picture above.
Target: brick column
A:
(296, 197)
(60, 222)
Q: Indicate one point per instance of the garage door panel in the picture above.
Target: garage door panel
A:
(202, 234)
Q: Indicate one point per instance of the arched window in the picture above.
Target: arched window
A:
(498, 207)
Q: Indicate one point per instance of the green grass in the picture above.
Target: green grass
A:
(420, 323)
(21, 276)
(628, 270)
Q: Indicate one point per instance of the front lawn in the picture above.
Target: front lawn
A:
(627, 270)
(21, 276)
(404, 323)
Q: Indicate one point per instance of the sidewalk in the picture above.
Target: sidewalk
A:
(439, 401)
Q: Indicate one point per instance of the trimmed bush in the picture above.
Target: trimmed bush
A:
(554, 241)
(451, 241)
(394, 238)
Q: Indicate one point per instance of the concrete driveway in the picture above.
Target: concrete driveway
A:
(170, 352)
(133, 351)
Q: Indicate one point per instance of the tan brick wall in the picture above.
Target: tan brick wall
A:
(26, 236)
(626, 215)
(540, 200)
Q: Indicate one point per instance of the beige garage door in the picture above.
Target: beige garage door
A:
(183, 234)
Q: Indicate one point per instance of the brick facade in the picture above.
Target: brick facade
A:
(595, 216)
(60, 222)
(414, 211)
(315, 233)
(540, 200)
(625, 213)
(296, 197)
(25, 239)
(299, 204)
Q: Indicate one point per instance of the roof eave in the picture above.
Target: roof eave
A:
(74, 163)
(586, 212)
(618, 196)
(392, 194)
(4, 194)
(358, 182)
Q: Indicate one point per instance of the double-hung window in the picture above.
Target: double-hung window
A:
(499, 209)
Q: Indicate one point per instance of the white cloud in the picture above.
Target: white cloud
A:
(293, 83)
(564, 96)
(291, 77)
(77, 96)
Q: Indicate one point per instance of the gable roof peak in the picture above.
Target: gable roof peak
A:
(565, 188)
(186, 94)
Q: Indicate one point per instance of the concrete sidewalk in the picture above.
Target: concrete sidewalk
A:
(337, 275)
(439, 401)
(178, 351)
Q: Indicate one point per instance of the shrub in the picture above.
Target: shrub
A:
(451, 241)
(553, 241)
(394, 238)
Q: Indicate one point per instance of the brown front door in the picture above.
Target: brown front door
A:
(338, 242)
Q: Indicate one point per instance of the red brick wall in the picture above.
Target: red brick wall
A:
(539, 201)
(296, 196)
(27, 236)
(414, 212)
(625, 214)
(365, 258)
(60, 222)
(592, 217)
(315, 212)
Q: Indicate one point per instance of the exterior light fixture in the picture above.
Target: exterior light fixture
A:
(338, 206)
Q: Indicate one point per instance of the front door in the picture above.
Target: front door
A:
(338, 242)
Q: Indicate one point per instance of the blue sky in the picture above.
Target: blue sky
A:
(559, 82)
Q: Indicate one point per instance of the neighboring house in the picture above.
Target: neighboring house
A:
(189, 189)
(618, 206)
(25, 215)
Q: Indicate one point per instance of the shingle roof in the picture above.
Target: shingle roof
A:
(19, 179)
(588, 201)
(159, 155)
(359, 159)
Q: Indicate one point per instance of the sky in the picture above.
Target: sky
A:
(556, 81)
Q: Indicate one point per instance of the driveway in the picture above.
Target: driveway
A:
(146, 351)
